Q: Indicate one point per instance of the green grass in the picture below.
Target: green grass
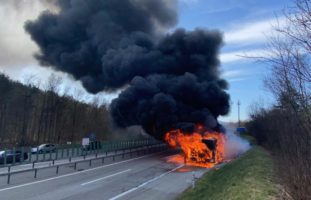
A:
(248, 177)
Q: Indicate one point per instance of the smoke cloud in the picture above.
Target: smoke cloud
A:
(102, 43)
(162, 102)
(169, 80)
(235, 145)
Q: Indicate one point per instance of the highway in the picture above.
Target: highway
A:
(145, 177)
(46, 163)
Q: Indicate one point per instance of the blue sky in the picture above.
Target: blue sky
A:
(246, 24)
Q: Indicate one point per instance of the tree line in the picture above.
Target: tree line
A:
(30, 116)
(285, 127)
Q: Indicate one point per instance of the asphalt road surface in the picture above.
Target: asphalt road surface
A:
(145, 177)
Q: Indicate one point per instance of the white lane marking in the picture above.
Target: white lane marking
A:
(80, 172)
(143, 184)
(103, 178)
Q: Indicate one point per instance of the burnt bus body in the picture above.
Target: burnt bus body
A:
(211, 144)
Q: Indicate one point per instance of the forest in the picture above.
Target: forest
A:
(30, 116)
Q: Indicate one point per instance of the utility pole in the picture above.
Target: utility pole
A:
(239, 113)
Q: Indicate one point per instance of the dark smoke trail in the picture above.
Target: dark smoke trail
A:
(103, 43)
(172, 80)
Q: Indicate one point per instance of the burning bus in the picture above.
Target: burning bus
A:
(200, 148)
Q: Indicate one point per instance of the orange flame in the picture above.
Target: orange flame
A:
(196, 151)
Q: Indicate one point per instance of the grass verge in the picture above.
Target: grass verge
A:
(248, 177)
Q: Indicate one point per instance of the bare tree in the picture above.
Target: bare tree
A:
(286, 128)
(78, 94)
(53, 83)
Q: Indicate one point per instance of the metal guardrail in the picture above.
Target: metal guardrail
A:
(144, 150)
(72, 151)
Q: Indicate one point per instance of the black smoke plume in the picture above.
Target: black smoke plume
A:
(169, 80)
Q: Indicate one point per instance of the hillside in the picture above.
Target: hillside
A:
(31, 116)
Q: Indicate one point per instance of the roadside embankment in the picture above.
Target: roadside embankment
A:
(248, 177)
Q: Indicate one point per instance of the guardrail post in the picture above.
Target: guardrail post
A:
(75, 167)
(70, 159)
(9, 178)
(36, 171)
(53, 162)
(103, 160)
(90, 163)
(57, 169)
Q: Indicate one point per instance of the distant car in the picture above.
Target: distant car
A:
(92, 146)
(44, 148)
(10, 154)
(241, 130)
